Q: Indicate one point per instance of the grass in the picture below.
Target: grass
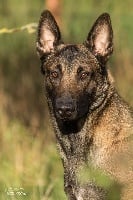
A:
(30, 163)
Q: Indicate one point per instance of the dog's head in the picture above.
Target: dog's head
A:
(75, 75)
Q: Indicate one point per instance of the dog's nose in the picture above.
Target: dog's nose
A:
(65, 110)
(65, 107)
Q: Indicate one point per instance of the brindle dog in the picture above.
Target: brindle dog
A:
(93, 125)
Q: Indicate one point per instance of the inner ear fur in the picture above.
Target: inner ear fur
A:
(100, 38)
(48, 36)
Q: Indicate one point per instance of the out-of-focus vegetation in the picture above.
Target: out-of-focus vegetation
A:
(28, 154)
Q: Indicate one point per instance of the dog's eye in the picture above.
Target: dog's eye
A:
(54, 74)
(84, 75)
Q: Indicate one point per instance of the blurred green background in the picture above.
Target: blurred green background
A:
(28, 156)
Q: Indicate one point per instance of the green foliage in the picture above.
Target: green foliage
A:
(101, 179)
(94, 175)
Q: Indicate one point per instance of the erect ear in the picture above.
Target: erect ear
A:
(48, 34)
(100, 38)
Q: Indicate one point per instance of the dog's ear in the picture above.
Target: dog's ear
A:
(100, 38)
(48, 34)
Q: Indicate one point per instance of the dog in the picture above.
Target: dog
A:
(92, 123)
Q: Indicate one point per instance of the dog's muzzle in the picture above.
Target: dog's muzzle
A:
(65, 108)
